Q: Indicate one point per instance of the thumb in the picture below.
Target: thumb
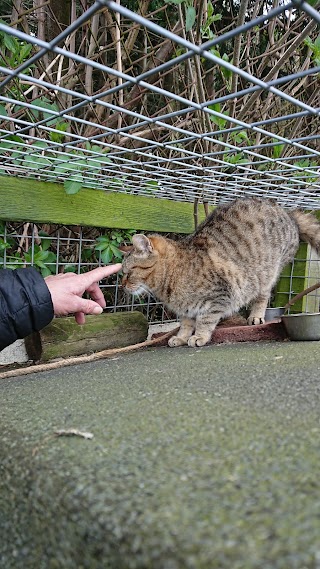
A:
(88, 306)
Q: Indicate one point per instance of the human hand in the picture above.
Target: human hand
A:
(67, 289)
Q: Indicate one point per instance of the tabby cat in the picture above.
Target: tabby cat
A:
(232, 260)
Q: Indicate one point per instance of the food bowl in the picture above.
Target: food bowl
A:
(302, 326)
(274, 313)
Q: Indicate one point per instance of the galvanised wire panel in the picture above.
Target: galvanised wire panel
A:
(59, 249)
(163, 100)
(196, 102)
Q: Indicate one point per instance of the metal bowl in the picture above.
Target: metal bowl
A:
(302, 326)
(273, 313)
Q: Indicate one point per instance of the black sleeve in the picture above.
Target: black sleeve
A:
(25, 304)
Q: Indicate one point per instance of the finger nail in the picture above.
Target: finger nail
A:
(97, 310)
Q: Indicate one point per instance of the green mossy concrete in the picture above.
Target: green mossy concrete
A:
(201, 459)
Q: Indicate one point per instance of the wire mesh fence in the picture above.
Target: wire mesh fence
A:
(58, 249)
(174, 100)
(203, 101)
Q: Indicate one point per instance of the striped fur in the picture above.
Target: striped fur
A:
(233, 259)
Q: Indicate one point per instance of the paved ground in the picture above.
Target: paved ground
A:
(201, 459)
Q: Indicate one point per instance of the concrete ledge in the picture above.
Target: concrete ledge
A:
(232, 334)
(16, 353)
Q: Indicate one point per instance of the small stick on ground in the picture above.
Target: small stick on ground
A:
(73, 433)
(85, 359)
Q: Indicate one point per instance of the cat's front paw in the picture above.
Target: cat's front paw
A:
(175, 341)
(255, 321)
(198, 341)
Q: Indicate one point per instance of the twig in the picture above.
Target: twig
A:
(85, 359)
(195, 212)
(26, 12)
(301, 294)
(73, 433)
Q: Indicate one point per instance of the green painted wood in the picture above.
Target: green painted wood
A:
(23, 199)
(299, 274)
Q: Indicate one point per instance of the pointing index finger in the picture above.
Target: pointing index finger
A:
(100, 273)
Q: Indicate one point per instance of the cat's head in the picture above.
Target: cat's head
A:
(139, 266)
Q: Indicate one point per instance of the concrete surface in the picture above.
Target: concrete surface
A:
(201, 459)
(15, 353)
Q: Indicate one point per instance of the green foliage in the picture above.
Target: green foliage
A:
(225, 73)
(236, 159)
(219, 121)
(44, 258)
(108, 244)
(15, 52)
(45, 104)
(306, 163)
(189, 10)
(41, 156)
(240, 136)
(40, 256)
(72, 186)
(315, 48)
(152, 186)
(206, 31)
(277, 150)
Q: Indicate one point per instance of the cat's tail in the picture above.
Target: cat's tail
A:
(309, 227)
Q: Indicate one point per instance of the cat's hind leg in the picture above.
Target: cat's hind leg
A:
(258, 309)
(186, 330)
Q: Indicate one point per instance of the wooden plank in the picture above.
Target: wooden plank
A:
(63, 337)
(23, 199)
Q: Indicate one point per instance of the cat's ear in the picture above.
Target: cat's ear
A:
(141, 244)
(126, 249)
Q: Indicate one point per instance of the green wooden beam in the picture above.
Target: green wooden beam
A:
(24, 199)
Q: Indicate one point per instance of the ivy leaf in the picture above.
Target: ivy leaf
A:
(11, 43)
(116, 252)
(45, 272)
(36, 162)
(64, 167)
(3, 112)
(190, 18)
(105, 159)
(72, 187)
(106, 256)
(50, 107)
(219, 121)
(101, 246)
(25, 51)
